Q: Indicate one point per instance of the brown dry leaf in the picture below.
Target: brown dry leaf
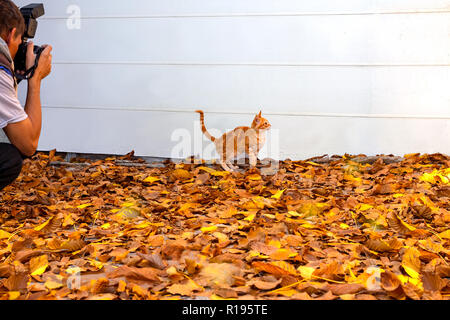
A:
(294, 240)
(411, 291)
(102, 296)
(184, 289)
(226, 293)
(38, 265)
(72, 245)
(6, 270)
(265, 283)
(432, 282)
(51, 225)
(155, 240)
(263, 248)
(133, 273)
(329, 270)
(119, 254)
(99, 285)
(378, 245)
(345, 288)
(17, 281)
(181, 174)
(391, 283)
(398, 225)
(411, 262)
(278, 268)
(25, 255)
(218, 274)
(154, 260)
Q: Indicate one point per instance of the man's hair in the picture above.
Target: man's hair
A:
(10, 18)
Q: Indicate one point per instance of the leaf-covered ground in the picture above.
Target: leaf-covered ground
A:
(337, 230)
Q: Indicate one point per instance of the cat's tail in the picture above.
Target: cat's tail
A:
(202, 122)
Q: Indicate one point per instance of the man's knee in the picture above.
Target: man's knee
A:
(10, 164)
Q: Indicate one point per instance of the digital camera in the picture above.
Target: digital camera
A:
(30, 13)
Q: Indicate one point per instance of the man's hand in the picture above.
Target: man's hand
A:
(31, 57)
(44, 66)
(25, 134)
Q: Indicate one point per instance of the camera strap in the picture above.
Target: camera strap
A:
(28, 74)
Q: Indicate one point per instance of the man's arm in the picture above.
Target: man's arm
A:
(25, 134)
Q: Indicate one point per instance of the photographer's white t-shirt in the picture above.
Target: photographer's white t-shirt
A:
(10, 109)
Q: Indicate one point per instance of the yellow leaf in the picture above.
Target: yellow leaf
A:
(308, 226)
(4, 234)
(171, 271)
(139, 290)
(208, 229)
(38, 265)
(216, 297)
(250, 217)
(255, 254)
(68, 221)
(306, 272)
(106, 226)
(151, 179)
(344, 226)
(288, 292)
(142, 225)
(13, 295)
(411, 262)
(214, 172)
(42, 226)
(403, 279)
(122, 286)
(445, 234)
(127, 213)
(283, 254)
(95, 263)
(220, 236)
(278, 194)
(82, 206)
(127, 204)
(294, 214)
(275, 243)
(416, 282)
(437, 176)
(52, 284)
(364, 207)
(254, 177)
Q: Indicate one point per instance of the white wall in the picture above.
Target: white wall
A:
(355, 76)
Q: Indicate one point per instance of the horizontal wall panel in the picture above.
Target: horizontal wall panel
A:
(150, 133)
(374, 90)
(386, 39)
(140, 7)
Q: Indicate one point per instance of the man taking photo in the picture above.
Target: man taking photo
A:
(22, 126)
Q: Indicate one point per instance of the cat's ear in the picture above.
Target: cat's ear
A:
(259, 115)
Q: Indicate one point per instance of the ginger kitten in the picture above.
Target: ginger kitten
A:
(239, 141)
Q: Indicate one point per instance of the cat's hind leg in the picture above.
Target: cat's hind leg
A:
(230, 165)
(224, 165)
